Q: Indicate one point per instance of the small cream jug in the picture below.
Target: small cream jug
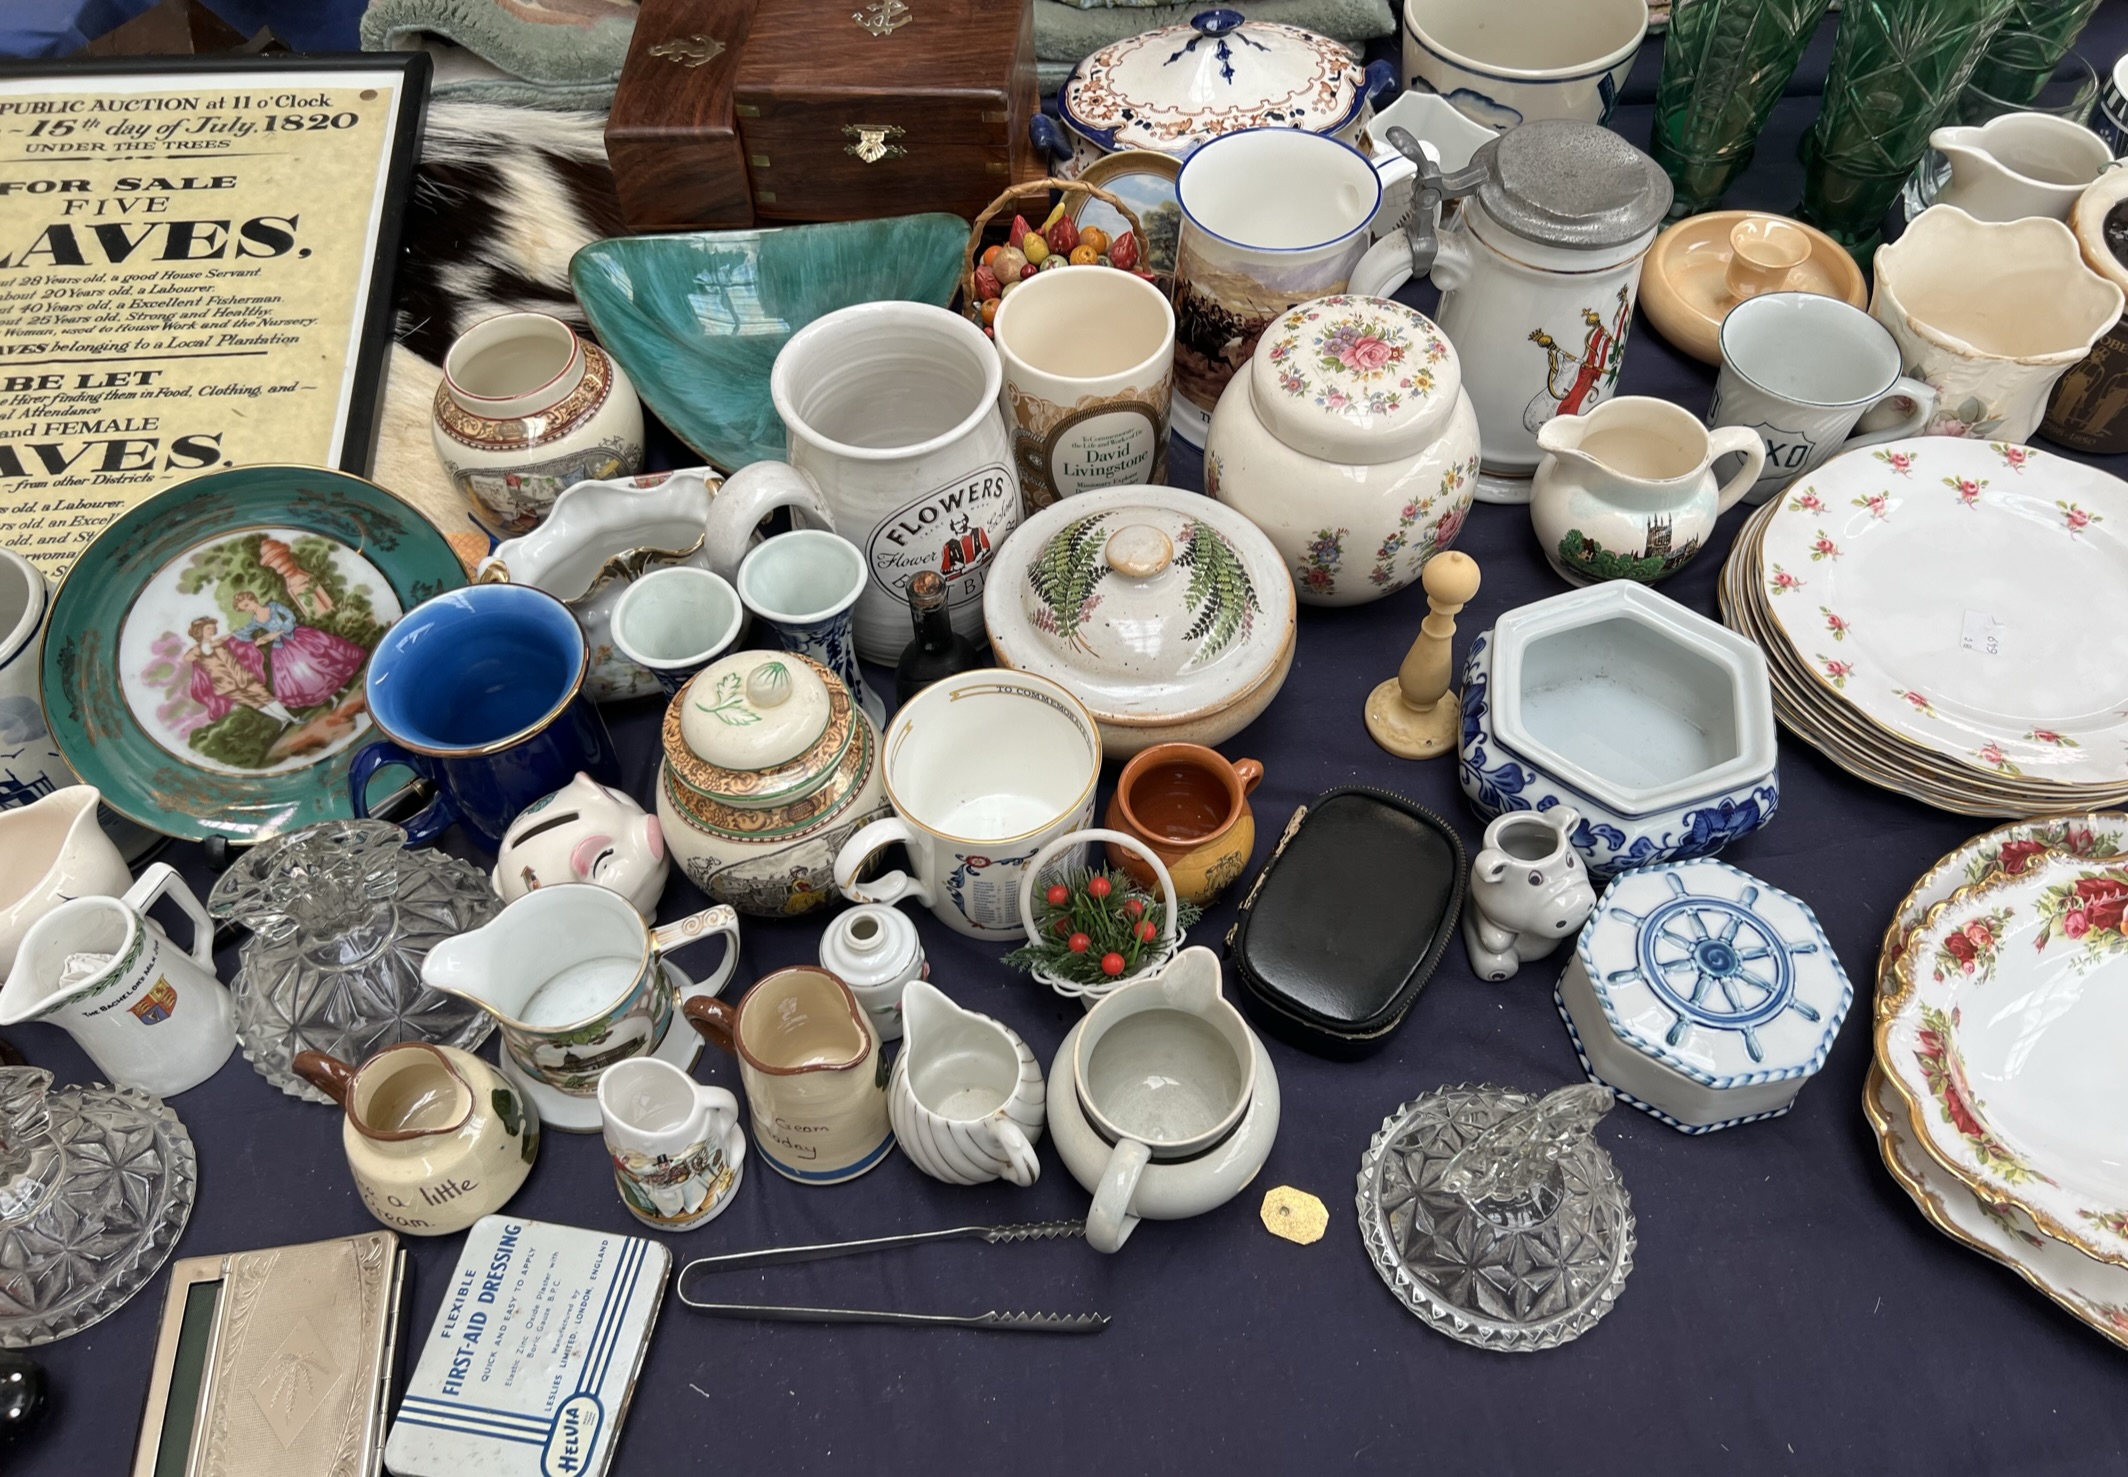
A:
(51, 851)
(2019, 164)
(676, 1145)
(966, 1098)
(1627, 491)
(148, 1014)
(436, 1139)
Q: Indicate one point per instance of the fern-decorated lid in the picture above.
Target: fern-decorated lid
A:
(1150, 604)
(752, 710)
(1357, 380)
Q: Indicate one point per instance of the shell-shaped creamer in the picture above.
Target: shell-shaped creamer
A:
(967, 1099)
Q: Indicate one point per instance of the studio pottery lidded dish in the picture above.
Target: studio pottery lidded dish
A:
(769, 768)
(1168, 614)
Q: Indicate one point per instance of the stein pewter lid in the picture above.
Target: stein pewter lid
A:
(1571, 184)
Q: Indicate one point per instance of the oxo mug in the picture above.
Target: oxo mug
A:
(984, 769)
(480, 691)
(1802, 370)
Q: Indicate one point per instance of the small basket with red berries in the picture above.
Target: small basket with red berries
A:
(1090, 930)
(991, 272)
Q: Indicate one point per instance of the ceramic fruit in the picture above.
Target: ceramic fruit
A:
(1803, 371)
(52, 850)
(966, 1095)
(526, 409)
(816, 1081)
(155, 670)
(875, 950)
(1175, 88)
(1169, 615)
(1270, 218)
(32, 767)
(577, 981)
(2019, 164)
(1653, 722)
(1704, 265)
(2089, 408)
(1993, 356)
(1350, 442)
(584, 832)
(1191, 807)
(1543, 59)
(1627, 490)
(983, 771)
(1540, 265)
(149, 1015)
(677, 1148)
(1528, 890)
(435, 1137)
(769, 769)
(701, 359)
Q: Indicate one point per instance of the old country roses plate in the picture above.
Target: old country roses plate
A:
(2005, 1035)
(1964, 595)
(205, 664)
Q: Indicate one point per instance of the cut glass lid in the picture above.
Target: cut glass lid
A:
(1175, 88)
(1355, 379)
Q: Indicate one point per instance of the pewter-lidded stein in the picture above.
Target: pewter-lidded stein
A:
(1538, 270)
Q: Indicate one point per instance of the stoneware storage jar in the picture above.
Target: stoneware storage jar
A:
(769, 768)
(1350, 442)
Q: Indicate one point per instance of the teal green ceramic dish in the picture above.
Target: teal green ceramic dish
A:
(204, 666)
(697, 319)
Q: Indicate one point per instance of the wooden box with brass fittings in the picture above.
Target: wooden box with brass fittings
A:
(737, 112)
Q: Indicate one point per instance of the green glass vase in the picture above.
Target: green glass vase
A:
(1897, 67)
(2035, 35)
(1724, 65)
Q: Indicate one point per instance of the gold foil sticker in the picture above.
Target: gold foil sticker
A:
(1294, 1215)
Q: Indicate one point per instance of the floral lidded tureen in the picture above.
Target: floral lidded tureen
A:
(1175, 88)
(1167, 614)
(769, 768)
(1351, 443)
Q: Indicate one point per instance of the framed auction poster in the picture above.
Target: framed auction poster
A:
(195, 273)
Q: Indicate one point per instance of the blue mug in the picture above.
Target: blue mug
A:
(481, 692)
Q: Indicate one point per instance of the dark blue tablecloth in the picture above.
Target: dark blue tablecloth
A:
(1789, 1312)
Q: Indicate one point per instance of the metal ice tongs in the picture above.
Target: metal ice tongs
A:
(777, 1255)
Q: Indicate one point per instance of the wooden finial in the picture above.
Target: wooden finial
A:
(1415, 714)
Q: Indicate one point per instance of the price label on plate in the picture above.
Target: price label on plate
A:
(1983, 633)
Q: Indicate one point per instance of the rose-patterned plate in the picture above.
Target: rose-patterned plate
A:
(2004, 1033)
(1961, 595)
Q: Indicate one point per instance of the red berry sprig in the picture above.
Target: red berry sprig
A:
(1093, 929)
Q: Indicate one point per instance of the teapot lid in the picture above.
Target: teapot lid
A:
(1180, 86)
(1355, 379)
(1564, 183)
(758, 727)
(1147, 603)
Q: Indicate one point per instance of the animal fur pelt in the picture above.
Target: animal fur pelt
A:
(502, 198)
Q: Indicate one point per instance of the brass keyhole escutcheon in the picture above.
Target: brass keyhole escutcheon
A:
(874, 141)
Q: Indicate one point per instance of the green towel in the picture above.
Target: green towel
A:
(561, 54)
(1065, 33)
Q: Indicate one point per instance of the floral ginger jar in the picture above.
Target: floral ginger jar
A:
(769, 768)
(1351, 443)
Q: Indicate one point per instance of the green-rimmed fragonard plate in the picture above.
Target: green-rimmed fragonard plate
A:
(204, 666)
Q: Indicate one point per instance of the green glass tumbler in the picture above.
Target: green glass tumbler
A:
(2035, 36)
(1897, 67)
(1724, 65)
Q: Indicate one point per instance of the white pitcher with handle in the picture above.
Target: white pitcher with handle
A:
(148, 1014)
(1627, 491)
(967, 1098)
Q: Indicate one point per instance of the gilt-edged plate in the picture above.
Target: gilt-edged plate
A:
(205, 663)
(1969, 592)
(2005, 1034)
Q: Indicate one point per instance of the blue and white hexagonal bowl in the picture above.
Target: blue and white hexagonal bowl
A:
(1702, 995)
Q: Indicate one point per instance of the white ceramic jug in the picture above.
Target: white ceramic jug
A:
(967, 1096)
(51, 851)
(1628, 491)
(677, 1148)
(2019, 164)
(149, 1015)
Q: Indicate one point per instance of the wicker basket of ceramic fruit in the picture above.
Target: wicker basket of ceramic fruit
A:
(1058, 242)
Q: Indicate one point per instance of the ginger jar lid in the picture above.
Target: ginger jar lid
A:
(1173, 89)
(1355, 379)
(758, 727)
(1147, 603)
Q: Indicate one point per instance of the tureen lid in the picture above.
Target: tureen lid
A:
(1172, 89)
(1147, 603)
(1355, 379)
(1576, 185)
(758, 727)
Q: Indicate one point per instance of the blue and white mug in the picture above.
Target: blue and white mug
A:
(805, 585)
(480, 691)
